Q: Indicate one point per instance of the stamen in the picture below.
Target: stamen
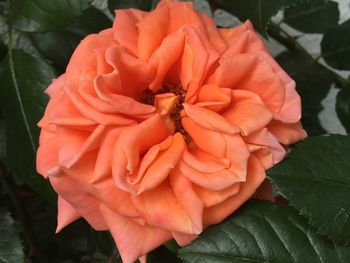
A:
(148, 97)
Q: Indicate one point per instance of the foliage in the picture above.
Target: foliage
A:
(314, 178)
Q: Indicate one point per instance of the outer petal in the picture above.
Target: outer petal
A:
(251, 72)
(287, 133)
(80, 196)
(66, 214)
(159, 205)
(125, 28)
(132, 239)
(256, 175)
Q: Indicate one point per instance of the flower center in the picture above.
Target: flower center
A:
(168, 101)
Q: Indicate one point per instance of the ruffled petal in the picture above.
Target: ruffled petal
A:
(266, 148)
(133, 240)
(247, 112)
(256, 175)
(133, 142)
(287, 133)
(162, 166)
(125, 29)
(251, 72)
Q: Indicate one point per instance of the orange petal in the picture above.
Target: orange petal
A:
(242, 39)
(266, 147)
(213, 98)
(236, 155)
(116, 199)
(47, 157)
(203, 57)
(181, 14)
(134, 74)
(161, 167)
(247, 112)
(91, 113)
(291, 108)
(162, 60)
(66, 214)
(209, 141)
(256, 175)
(183, 239)
(209, 119)
(152, 30)
(213, 33)
(80, 196)
(133, 240)
(210, 197)
(125, 30)
(251, 72)
(133, 142)
(159, 205)
(287, 133)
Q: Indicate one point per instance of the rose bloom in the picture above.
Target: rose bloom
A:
(164, 125)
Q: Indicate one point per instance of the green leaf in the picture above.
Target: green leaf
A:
(3, 50)
(11, 249)
(313, 16)
(335, 46)
(258, 11)
(23, 80)
(315, 179)
(91, 21)
(162, 254)
(44, 15)
(342, 107)
(262, 231)
(139, 4)
(312, 83)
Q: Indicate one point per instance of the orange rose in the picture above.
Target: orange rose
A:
(164, 125)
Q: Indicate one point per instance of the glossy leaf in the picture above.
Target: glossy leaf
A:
(43, 15)
(343, 107)
(23, 80)
(258, 11)
(11, 249)
(59, 45)
(313, 16)
(262, 231)
(312, 82)
(315, 179)
(335, 46)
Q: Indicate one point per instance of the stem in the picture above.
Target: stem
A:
(11, 189)
(292, 44)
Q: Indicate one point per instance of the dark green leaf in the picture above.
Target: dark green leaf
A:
(23, 80)
(162, 254)
(44, 15)
(58, 46)
(343, 107)
(335, 46)
(139, 4)
(262, 231)
(258, 11)
(11, 249)
(313, 84)
(3, 50)
(315, 179)
(313, 16)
